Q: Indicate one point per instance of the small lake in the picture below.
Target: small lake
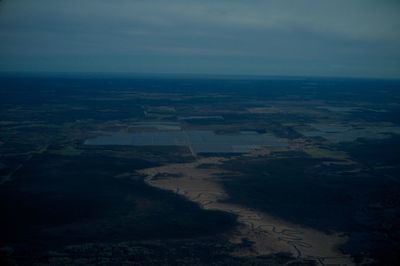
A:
(345, 133)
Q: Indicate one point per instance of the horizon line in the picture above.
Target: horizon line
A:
(104, 74)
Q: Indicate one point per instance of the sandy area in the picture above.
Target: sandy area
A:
(267, 234)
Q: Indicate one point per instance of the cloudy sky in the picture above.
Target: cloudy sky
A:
(279, 37)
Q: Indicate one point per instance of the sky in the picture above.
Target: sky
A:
(347, 38)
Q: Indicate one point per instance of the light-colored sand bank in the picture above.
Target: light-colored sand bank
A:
(267, 234)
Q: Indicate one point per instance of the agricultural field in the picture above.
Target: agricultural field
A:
(199, 171)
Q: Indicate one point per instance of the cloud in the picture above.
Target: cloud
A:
(318, 37)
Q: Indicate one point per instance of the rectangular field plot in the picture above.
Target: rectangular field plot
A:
(200, 141)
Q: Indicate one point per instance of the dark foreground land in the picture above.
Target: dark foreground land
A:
(319, 154)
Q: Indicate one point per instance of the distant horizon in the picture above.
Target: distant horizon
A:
(94, 74)
(312, 38)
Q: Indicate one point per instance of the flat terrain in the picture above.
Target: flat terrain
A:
(267, 234)
(179, 171)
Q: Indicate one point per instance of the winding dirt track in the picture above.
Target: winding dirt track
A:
(267, 234)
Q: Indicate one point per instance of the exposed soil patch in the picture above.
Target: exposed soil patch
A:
(263, 233)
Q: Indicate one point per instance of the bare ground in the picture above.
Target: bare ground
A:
(266, 234)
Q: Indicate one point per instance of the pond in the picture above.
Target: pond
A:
(346, 132)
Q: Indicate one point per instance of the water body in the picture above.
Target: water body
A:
(201, 117)
(157, 126)
(200, 141)
(340, 108)
(344, 133)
